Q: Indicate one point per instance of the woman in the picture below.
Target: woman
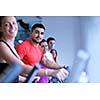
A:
(54, 54)
(44, 45)
(8, 32)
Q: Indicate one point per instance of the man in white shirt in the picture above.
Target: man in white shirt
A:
(51, 42)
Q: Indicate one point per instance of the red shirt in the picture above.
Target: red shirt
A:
(29, 54)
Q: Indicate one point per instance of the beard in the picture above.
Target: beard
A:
(36, 41)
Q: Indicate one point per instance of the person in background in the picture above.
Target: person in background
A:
(47, 55)
(51, 42)
(31, 53)
(44, 45)
(54, 54)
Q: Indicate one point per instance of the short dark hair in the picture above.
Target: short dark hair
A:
(38, 25)
(43, 40)
(50, 38)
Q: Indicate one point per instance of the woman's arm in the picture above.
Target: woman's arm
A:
(10, 58)
(50, 64)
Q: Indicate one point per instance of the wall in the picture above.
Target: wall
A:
(90, 30)
(66, 30)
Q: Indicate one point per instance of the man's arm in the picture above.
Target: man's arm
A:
(50, 64)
